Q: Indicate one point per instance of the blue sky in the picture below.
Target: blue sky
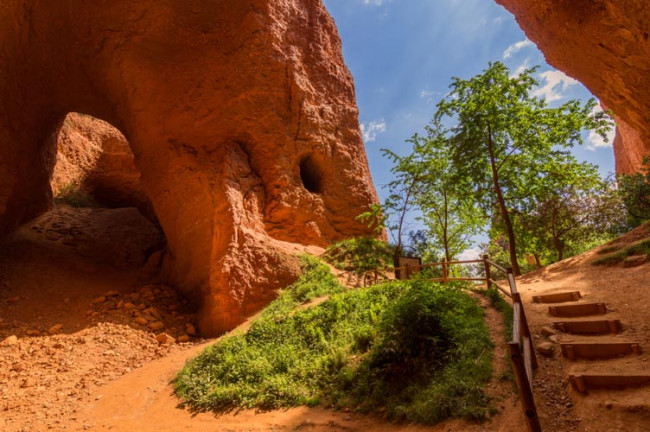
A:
(403, 53)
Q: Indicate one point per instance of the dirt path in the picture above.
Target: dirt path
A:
(625, 291)
(103, 369)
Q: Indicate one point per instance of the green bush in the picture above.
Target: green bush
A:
(413, 350)
(359, 254)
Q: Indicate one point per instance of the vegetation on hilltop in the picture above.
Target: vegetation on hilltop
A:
(411, 350)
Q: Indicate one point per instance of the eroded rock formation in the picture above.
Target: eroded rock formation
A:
(95, 158)
(241, 116)
(604, 44)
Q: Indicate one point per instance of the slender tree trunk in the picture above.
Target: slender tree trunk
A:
(445, 238)
(398, 247)
(559, 247)
(512, 249)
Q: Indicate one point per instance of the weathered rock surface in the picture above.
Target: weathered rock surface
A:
(120, 237)
(95, 158)
(241, 116)
(604, 44)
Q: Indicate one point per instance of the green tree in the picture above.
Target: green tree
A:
(392, 215)
(635, 191)
(449, 213)
(573, 218)
(510, 144)
(426, 176)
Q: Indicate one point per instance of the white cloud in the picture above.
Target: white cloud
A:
(469, 255)
(515, 48)
(373, 2)
(520, 69)
(595, 141)
(556, 83)
(372, 129)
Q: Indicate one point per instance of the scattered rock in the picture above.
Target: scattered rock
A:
(156, 326)
(548, 331)
(33, 333)
(164, 338)
(546, 349)
(554, 339)
(112, 293)
(55, 329)
(10, 341)
(141, 321)
(98, 300)
(183, 338)
(190, 329)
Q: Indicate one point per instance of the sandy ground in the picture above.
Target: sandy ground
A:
(79, 351)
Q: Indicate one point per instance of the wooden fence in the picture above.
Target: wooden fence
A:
(522, 352)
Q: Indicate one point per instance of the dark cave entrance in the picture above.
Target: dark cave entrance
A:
(311, 175)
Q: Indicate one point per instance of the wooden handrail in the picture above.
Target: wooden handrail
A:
(522, 352)
(497, 266)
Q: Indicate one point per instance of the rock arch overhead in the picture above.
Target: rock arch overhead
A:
(604, 44)
(216, 98)
(94, 159)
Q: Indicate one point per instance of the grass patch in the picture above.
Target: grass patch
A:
(507, 312)
(504, 308)
(413, 351)
(638, 248)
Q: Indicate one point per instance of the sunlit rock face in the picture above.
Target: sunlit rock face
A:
(241, 116)
(604, 44)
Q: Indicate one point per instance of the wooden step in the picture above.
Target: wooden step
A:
(573, 350)
(576, 310)
(589, 327)
(583, 383)
(558, 297)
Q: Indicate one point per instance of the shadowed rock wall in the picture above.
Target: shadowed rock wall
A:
(604, 44)
(241, 116)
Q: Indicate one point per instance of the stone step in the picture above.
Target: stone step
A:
(576, 310)
(583, 382)
(603, 350)
(589, 327)
(558, 297)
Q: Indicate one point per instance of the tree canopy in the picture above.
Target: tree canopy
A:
(512, 146)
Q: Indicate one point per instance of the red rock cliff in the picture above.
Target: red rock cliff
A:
(241, 116)
(604, 44)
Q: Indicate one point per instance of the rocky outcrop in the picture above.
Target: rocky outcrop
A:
(605, 45)
(94, 158)
(241, 116)
(120, 237)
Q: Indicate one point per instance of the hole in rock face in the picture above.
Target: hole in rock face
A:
(96, 166)
(311, 175)
(91, 263)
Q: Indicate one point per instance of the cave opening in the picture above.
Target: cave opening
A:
(311, 175)
(96, 255)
